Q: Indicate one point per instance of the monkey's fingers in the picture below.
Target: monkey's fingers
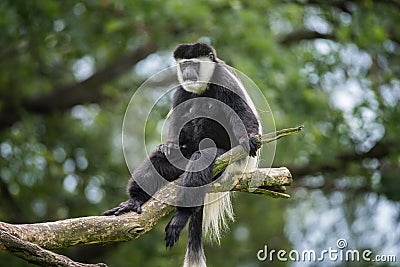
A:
(250, 145)
(174, 228)
(163, 148)
(253, 146)
(111, 211)
(124, 207)
(130, 205)
(168, 148)
(171, 235)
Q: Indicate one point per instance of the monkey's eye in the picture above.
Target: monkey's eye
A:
(211, 56)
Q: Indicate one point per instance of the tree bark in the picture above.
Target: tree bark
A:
(107, 229)
(32, 253)
(29, 240)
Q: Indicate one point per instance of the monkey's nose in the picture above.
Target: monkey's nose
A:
(190, 75)
(190, 78)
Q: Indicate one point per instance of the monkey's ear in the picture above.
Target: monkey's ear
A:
(211, 56)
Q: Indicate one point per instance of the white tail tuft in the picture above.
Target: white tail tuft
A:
(218, 206)
(194, 262)
(217, 211)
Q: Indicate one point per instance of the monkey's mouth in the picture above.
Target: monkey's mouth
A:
(191, 82)
(194, 86)
(194, 83)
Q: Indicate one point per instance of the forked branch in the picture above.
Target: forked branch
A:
(29, 241)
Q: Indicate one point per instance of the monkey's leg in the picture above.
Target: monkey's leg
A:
(190, 200)
(150, 176)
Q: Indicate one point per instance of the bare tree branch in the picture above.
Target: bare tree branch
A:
(381, 150)
(238, 153)
(32, 253)
(106, 229)
(344, 5)
(304, 34)
(27, 240)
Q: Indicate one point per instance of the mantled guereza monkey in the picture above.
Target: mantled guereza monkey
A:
(211, 113)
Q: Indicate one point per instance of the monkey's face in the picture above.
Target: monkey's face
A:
(195, 73)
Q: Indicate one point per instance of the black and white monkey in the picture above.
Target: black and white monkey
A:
(211, 113)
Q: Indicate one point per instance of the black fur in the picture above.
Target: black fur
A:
(188, 140)
(195, 251)
(187, 51)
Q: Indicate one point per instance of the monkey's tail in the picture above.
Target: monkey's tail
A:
(218, 206)
(194, 250)
(218, 210)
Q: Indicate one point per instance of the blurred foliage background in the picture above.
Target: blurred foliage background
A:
(69, 68)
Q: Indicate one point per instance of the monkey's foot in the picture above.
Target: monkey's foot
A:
(124, 207)
(174, 228)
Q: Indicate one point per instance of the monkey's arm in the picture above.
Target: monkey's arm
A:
(244, 123)
(176, 137)
(172, 142)
(148, 177)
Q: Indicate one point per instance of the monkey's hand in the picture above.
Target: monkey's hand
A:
(250, 145)
(167, 148)
(126, 206)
